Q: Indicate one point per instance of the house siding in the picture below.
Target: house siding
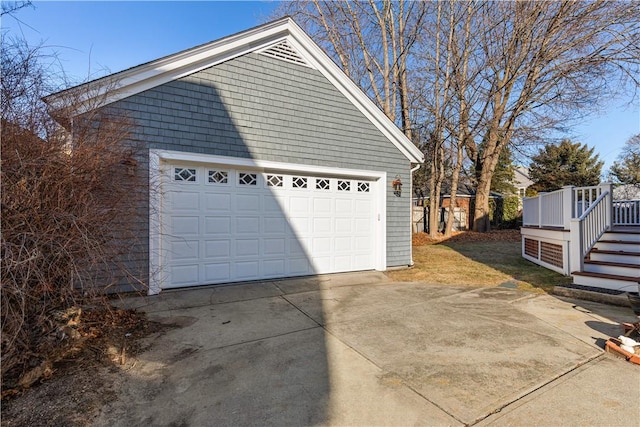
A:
(267, 109)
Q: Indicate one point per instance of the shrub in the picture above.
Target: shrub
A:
(66, 210)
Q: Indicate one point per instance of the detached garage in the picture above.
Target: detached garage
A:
(264, 160)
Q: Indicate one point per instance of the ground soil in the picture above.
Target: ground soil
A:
(84, 376)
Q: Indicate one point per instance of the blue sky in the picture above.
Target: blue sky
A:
(92, 39)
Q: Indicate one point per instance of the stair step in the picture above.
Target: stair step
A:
(618, 245)
(614, 256)
(606, 281)
(612, 267)
(621, 237)
(613, 264)
(627, 230)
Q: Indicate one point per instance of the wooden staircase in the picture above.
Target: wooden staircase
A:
(614, 261)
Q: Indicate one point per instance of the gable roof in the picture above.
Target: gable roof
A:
(522, 177)
(282, 38)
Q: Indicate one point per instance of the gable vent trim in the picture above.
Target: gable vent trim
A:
(285, 52)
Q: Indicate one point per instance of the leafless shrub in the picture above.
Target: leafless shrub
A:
(68, 205)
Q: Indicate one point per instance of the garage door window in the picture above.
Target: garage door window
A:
(363, 187)
(218, 177)
(247, 178)
(299, 182)
(184, 174)
(322, 184)
(275, 181)
(344, 186)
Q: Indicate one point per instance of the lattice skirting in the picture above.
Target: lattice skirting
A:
(546, 252)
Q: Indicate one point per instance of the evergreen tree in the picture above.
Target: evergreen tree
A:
(504, 174)
(565, 164)
(626, 170)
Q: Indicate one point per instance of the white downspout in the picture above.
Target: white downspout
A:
(411, 211)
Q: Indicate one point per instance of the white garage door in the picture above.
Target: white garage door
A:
(227, 225)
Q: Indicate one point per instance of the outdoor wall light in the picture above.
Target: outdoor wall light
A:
(397, 186)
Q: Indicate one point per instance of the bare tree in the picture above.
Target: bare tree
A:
(485, 75)
(542, 63)
(371, 41)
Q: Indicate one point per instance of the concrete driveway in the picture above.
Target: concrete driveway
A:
(359, 350)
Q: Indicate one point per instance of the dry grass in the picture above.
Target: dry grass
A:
(477, 259)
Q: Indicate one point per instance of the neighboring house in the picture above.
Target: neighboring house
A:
(463, 210)
(270, 163)
(626, 192)
(521, 182)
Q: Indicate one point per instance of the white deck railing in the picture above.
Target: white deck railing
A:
(586, 213)
(588, 228)
(626, 212)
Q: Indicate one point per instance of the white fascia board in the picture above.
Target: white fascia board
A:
(264, 165)
(316, 56)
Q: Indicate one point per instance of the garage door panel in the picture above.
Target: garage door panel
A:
(343, 244)
(276, 225)
(217, 225)
(343, 263)
(343, 226)
(361, 261)
(217, 249)
(217, 202)
(322, 225)
(247, 270)
(322, 205)
(322, 264)
(299, 266)
(297, 247)
(321, 245)
(272, 205)
(362, 243)
(185, 249)
(247, 203)
(185, 225)
(274, 267)
(247, 247)
(363, 225)
(248, 226)
(363, 208)
(344, 206)
(185, 201)
(218, 272)
(299, 205)
(184, 275)
(274, 246)
(300, 225)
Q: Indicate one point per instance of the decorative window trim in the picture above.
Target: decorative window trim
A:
(217, 177)
(364, 187)
(299, 182)
(323, 184)
(275, 180)
(247, 178)
(344, 185)
(185, 174)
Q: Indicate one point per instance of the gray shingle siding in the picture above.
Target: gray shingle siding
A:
(263, 108)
